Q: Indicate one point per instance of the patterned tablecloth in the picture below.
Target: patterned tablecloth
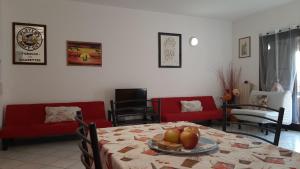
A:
(126, 148)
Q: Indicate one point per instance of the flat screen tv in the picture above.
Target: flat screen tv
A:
(131, 94)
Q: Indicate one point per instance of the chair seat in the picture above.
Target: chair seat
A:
(263, 113)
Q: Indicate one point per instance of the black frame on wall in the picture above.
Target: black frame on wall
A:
(31, 27)
(160, 65)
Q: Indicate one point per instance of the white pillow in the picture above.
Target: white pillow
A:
(59, 114)
(191, 106)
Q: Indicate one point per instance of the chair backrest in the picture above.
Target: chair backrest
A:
(277, 123)
(138, 109)
(90, 154)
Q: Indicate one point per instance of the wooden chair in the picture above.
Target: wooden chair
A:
(277, 123)
(90, 154)
(136, 111)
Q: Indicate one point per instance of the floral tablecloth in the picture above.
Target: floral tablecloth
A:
(126, 148)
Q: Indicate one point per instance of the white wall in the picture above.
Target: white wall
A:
(130, 52)
(1, 50)
(281, 17)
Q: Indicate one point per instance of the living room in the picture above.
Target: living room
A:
(128, 34)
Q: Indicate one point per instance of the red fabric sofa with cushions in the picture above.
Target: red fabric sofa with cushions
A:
(28, 120)
(171, 109)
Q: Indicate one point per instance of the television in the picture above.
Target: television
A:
(131, 94)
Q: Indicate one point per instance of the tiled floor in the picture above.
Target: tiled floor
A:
(65, 154)
(50, 155)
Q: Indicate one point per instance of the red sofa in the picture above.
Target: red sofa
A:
(171, 109)
(27, 120)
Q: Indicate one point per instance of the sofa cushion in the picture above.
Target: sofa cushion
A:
(39, 130)
(191, 106)
(260, 100)
(61, 113)
(48, 129)
(194, 116)
(24, 115)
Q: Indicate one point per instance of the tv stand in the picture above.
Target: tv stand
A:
(138, 114)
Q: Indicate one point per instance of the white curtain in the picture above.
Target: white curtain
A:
(277, 67)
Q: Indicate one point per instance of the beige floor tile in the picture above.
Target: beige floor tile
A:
(77, 165)
(75, 156)
(62, 153)
(6, 154)
(24, 157)
(50, 167)
(64, 163)
(10, 164)
(70, 146)
(2, 160)
(46, 160)
(30, 166)
(39, 150)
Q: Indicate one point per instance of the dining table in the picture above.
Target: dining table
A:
(127, 147)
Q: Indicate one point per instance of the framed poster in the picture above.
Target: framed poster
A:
(84, 53)
(169, 50)
(244, 47)
(29, 44)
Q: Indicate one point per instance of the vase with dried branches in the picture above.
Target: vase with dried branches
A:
(229, 80)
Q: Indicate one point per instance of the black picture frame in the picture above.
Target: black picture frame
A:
(169, 50)
(25, 50)
(245, 47)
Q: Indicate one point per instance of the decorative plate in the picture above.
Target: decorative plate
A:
(204, 145)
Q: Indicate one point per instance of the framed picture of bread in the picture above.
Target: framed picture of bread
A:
(84, 53)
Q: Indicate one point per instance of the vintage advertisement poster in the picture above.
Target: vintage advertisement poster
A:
(29, 44)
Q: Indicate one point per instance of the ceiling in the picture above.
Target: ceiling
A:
(230, 10)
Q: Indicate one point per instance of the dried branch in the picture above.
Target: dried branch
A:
(222, 78)
(231, 80)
